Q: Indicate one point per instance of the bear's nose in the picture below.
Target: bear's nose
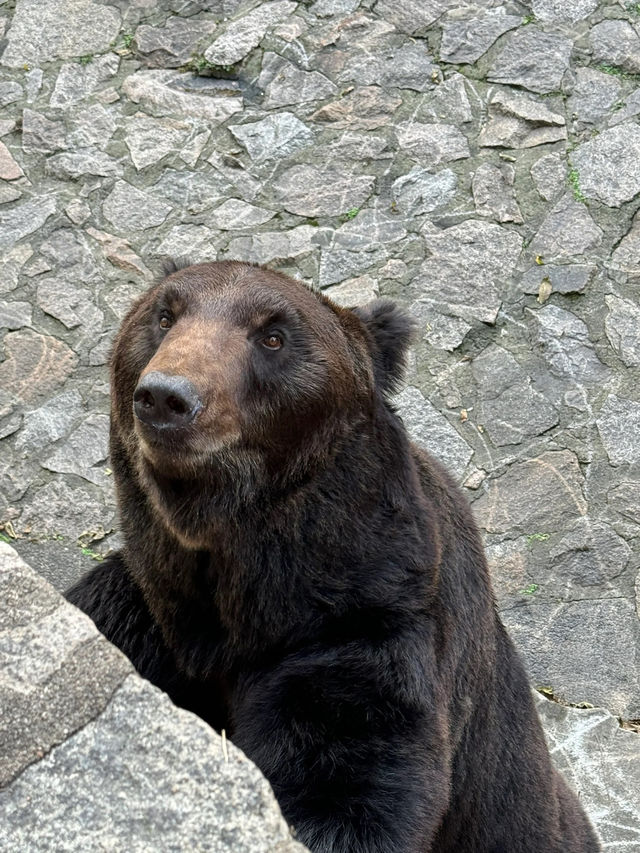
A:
(165, 402)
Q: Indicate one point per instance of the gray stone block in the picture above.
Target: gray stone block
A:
(601, 761)
(58, 672)
(95, 757)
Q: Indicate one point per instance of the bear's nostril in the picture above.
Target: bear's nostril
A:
(145, 398)
(176, 405)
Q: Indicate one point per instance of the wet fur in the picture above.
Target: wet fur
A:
(326, 600)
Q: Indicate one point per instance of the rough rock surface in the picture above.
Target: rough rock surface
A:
(95, 757)
(477, 162)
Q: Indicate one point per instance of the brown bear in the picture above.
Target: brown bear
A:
(299, 573)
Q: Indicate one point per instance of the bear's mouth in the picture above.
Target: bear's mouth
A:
(181, 452)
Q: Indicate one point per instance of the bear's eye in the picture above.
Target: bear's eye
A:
(166, 320)
(272, 342)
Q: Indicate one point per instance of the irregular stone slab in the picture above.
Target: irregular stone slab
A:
(551, 637)
(285, 84)
(370, 229)
(245, 33)
(440, 143)
(190, 153)
(317, 191)
(76, 82)
(77, 211)
(34, 364)
(122, 297)
(71, 165)
(128, 208)
(94, 125)
(33, 83)
(564, 341)
(15, 478)
(533, 59)
(144, 770)
(9, 168)
(340, 264)
(162, 93)
(509, 408)
(44, 30)
(119, 252)
(355, 291)
(265, 247)
(515, 121)
(15, 315)
(567, 232)
(467, 36)
(616, 43)
(59, 562)
(363, 109)
(469, 265)
(448, 102)
(358, 147)
(629, 109)
(431, 430)
(25, 219)
(493, 192)
(609, 165)
(601, 762)
(569, 278)
(626, 256)
(172, 45)
(412, 16)
(624, 498)
(587, 560)
(192, 192)
(85, 448)
(57, 510)
(49, 423)
(274, 137)
(439, 330)
(234, 215)
(420, 191)
(10, 92)
(589, 557)
(188, 241)
(550, 11)
(617, 424)
(41, 135)
(553, 496)
(12, 263)
(593, 96)
(405, 66)
(8, 192)
(549, 174)
(240, 180)
(68, 248)
(63, 299)
(328, 8)
(622, 326)
(58, 671)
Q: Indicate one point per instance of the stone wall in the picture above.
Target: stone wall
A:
(479, 163)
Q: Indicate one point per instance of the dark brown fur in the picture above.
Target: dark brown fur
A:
(297, 572)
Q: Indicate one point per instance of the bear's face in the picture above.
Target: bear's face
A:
(228, 364)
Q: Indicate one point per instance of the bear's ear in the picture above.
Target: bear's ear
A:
(391, 331)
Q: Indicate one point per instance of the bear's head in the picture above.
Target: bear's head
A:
(229, 368)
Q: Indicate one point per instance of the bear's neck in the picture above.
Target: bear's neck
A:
(277, 570)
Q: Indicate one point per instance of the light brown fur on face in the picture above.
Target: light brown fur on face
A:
(210, 354)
